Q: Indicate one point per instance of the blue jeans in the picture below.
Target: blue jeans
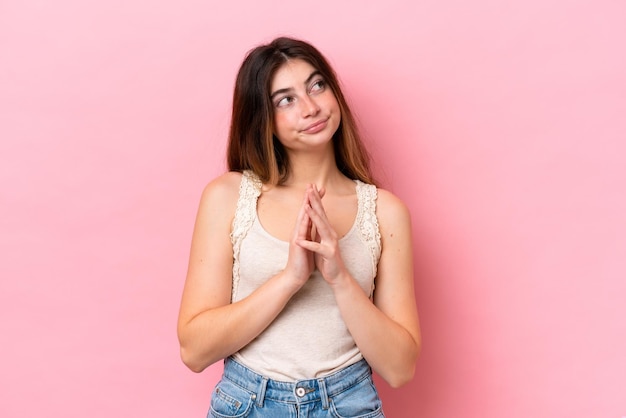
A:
(348, 393)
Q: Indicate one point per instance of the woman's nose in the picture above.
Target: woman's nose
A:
(309, 107)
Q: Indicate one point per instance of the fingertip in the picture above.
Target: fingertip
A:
(302, 243)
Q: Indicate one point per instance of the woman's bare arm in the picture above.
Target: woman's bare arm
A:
(386, 331)
(210, 328)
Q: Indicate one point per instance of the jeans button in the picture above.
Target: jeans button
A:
(300, 392)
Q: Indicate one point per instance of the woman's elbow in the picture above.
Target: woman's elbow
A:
(192, 362)
(401, 378)
(405, 373)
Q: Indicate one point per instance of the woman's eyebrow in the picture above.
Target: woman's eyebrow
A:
(288, 89)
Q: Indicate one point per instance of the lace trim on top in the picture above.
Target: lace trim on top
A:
(367, 223)
(249, 191)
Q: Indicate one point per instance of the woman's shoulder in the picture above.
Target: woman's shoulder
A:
(390, 208)
(223, 189)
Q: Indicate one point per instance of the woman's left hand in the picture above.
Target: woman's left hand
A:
(388, 322)
(325, 243)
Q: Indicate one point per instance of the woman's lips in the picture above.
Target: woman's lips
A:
(315, 127)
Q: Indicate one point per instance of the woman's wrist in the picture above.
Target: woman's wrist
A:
(287, 283)
(343, 282)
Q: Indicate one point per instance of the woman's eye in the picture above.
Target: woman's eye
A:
(284, 101)
(318, 86)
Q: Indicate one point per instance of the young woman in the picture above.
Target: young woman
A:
(300, 274)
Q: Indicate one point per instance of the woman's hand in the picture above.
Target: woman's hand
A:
(387, 330)
(322, 241)
(300, 262)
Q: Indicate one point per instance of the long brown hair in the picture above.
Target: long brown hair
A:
(252, 144)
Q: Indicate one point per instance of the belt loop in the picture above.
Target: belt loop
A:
(323, 393)
(260, 396)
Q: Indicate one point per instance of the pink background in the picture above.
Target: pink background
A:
(500, 123)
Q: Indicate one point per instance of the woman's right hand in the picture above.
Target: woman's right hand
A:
(207, 315)
(301, 262)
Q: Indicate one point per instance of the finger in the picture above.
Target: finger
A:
(316, 203)
(324, 251)
(312, 246)
(321, 191)
(310, 229)
(303, 224)
(320, 223)
(313, 235)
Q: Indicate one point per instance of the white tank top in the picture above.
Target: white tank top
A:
(308, 339)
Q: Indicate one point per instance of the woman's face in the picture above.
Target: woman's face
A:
(306, 112)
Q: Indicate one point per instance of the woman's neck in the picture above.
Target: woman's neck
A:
(318, 169)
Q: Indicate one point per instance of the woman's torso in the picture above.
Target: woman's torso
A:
(308, 339)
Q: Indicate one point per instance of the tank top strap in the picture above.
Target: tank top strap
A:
(367, 222)
(245, 213)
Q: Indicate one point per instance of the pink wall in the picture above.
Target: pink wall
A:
(501, 124)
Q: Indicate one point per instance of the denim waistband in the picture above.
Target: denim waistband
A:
(302, 391)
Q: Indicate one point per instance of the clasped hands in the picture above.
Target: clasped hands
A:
(315, 242)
